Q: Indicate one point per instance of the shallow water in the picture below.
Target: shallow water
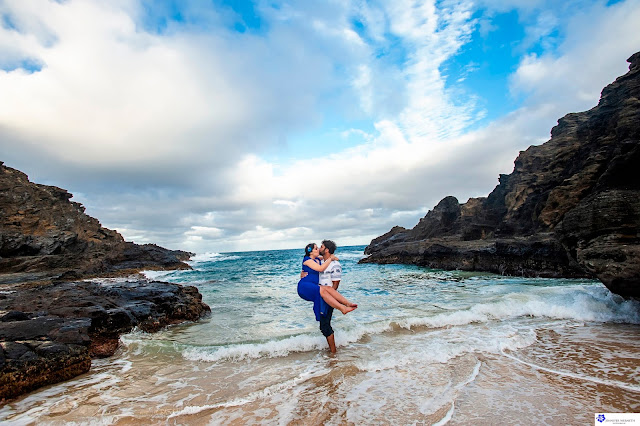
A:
(423, 347)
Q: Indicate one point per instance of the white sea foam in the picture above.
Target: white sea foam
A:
(114, 280)
(211, 257)
(350, 255)
(447, 417)
(125, 365)
(313, 370)
(615, 383)
(204, 257)
(410, 393)
(196, 262)
(29, 409)
(282, 347)
(581, 303)
(577, 303)
(270, 349)
(413, 346)
(156, 275)
(441, 346)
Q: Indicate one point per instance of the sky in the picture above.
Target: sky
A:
(218, 126)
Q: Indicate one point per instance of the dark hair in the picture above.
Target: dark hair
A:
(309, 248)
(330, 245)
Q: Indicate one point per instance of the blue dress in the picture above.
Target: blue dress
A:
(309, 289)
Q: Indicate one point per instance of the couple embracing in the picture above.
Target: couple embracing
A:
(321, 274)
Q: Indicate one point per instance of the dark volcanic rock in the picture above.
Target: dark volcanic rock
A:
(32, 364)
(397, 234)
(52, 324)
(444, 219)
(570, 207)
(49, 333)
(602, 233)
(42, 230)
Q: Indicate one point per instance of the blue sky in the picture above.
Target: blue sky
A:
(220, 125)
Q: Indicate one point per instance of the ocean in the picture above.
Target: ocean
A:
(424, 347)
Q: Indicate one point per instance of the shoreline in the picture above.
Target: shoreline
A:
(51, 329)
(495, 382)
(425, 341)
(55, 315)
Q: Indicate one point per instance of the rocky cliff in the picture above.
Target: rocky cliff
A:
(42, 231)
(52, 323)
(570, 208)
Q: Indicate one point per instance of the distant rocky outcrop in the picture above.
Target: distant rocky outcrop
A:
(41, 230)
(51, 322)
(570, 208)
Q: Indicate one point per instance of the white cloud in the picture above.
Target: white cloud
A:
(432, 36)
(362, 84)
(109, 93)
(598, 41)
(202, 232)
(170, 137)
(390, 171)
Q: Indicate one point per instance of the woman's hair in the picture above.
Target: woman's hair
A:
(309, 248)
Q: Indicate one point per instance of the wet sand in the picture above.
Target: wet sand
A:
(565, 377)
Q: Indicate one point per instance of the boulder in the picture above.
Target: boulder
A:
(50, 332)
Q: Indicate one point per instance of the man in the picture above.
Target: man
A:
(331, 276)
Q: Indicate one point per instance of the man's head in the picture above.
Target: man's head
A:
(328, 245)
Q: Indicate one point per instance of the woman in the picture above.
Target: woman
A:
(309, 289)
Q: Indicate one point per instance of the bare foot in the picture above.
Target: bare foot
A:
(355, 305)
(347, 309)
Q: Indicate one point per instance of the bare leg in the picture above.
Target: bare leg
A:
(331, 340)
(339, 297)
(331, 301)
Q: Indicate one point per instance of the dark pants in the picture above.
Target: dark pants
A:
(325, 323)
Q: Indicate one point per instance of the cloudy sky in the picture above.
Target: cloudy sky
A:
(218, 125)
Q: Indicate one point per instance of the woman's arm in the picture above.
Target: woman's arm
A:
(313, 265)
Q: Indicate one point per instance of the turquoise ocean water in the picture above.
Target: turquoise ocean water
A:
(423, 347)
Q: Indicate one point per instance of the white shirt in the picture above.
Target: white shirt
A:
(331, 274)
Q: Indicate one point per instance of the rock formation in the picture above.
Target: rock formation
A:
(570, 208)
(42, 231)
(51, 323)
(50, 332)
